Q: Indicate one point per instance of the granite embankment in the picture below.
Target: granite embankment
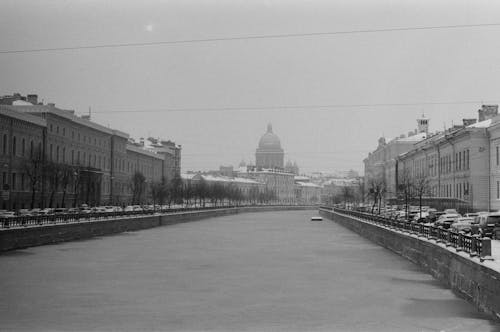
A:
(468, 277)
(23, 237)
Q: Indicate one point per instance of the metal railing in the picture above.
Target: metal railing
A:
(474, 245)
(52, 219)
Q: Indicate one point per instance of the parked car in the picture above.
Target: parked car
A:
(434, 215)
(487, 225)
(24, 213)
(463, 224)
(98, 209)
(446, 220)
(420, 217)
(46, 211)
(7, 214)
(85, 209)
(60, 211)
(451, 211)
(108, 208)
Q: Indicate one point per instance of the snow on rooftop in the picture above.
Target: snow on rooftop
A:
(413, 138)
(21, 103)
(482, 124)
(308, 184)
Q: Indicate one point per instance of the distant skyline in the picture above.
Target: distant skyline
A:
(329, 97)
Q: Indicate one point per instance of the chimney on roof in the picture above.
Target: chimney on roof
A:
(32, 99)
(468, 122)
(51, 104)
(141, 141)
(487, 112)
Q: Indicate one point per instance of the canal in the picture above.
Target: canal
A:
(249, 272)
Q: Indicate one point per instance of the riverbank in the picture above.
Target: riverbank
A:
(24, 237)
(469, 278)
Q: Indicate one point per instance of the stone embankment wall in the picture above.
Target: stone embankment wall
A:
(467, 277)
(18, 238)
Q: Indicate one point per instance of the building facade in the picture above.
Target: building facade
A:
(380, 165)
(83, 161)
(456, 168)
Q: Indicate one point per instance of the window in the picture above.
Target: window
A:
(72, 156)
(31, 149)
(23, 147)
(50, 152)
(64, 131)
(78, 157)
(57, 129)
(57, 153)
(460, 160)
(14, 146)
(498, 189)
(23, 184)
(51, 127)
(64, 155)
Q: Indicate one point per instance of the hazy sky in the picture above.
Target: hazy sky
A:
(416, 66)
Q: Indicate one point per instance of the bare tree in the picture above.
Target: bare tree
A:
(405, 188)
(158, 192)
(421, 188)
(67, 174)
(377, 190)
(33, 167)
(347, 194)
(137, 186)
(53, 175)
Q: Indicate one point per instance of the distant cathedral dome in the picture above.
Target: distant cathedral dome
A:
(269, 153)
(269, 140)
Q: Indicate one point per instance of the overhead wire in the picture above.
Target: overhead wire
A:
(249, 37)
(324, 107)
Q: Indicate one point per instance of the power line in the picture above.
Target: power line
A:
(251, 37)
(295, 107)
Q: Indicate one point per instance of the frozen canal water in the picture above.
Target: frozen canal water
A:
(250, 272)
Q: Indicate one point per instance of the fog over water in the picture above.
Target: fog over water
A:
(249, 272)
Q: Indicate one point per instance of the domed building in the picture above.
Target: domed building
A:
(269, 154)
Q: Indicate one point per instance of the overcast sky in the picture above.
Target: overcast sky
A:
(413, 66)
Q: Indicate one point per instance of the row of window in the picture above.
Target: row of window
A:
(460, 190)
(461, 161)
(78, 136)
(430, 165)
(18, 150)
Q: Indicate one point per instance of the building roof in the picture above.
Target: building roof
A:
(414, 138)
(213, 178)
(308, 184)
(8, 111)
(482, 124)
(67, 114)
(269, 141)
(145, 152)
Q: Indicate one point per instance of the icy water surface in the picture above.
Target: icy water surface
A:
(273, 271)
